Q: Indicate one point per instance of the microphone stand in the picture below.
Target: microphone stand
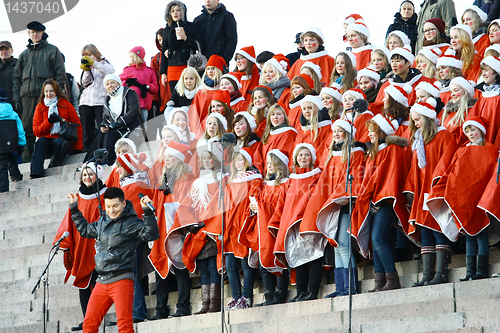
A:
(45, 289)
(101, 212)
(498, 169)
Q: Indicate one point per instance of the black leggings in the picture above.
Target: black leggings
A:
(309, 274)
(85, 293)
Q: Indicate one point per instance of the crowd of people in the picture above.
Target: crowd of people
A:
(413, 121)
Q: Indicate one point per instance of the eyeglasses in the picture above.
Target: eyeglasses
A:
(428, 31)
(239, 59)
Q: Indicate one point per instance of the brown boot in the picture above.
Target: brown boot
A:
(214, 298)
(392, 281)
(205, 299)
(379, 282)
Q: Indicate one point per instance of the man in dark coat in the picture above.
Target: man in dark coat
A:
(218, 28)
(7, 64)
(39, 62)
(406, 21)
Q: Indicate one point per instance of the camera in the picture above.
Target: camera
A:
(84, 61)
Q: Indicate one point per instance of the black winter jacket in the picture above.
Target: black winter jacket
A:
(116, 240)
(6, 77)
(178, 50)
(409, 27)
(131, 115)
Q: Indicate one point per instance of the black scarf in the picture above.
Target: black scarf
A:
(92, 189)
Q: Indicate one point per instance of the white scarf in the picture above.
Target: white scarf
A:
(199, 191)
(115, 103)
(418, 144)
(52, 104)
(190, 93)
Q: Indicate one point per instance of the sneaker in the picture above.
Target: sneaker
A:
(243, 303)
(232, 304)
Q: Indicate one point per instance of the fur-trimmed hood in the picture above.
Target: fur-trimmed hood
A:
(397, 140)
(182, 6)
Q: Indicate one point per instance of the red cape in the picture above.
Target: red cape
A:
(282, 139)
(322, 59)
(249, 83)
(306, 135)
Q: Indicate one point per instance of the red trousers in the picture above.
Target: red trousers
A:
(103, 296)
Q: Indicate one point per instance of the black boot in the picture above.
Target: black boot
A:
(268, 296)
(441, 268)
(470, 263)
(279, 297)
(482, 267)
(428, 262)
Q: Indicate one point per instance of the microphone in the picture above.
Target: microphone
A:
(150, 206)
(64, 235)
(99, 155)
(227, 138)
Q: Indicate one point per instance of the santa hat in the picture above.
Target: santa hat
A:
(335, 93)
(399, 94)
(385, 50)
(308, 79)
(315, 30)
(477, 121)
(174, 129)
(250, 119)
(449, 59)
(139, 50)
(438, 23)
(427, 109)
(236, 77)
(405, 52)
(482, 15)
(313, 99)
(246, 152)
(97, 169)
(359, 27)
(314, 67)
(279, 155)
(351, 55)
(369, 72)
(217, 61)
(404, 37)
(353, 18)
(179, 150)
(497, 22)
(247, 52)
(494, 47)
(127, 141)
(175, 110)
(346, 125)
(388, 127)
(466, 85)
(434, 89)
(357, 93)
(309, 147)
(222, 96)
(260, 86)
(464, 27)
(493, 62)
(280, 62)
(432, 54)
(218, 116)
(130, 162)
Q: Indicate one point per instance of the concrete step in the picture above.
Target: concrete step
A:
(432, 323)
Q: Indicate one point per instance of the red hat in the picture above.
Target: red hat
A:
(264, 87)
(353, 18)
(308, 79)
(428, 108)
(357, 93)
(280, 62)
(439, 23)
(248, 52)
(247, 152)
(217, 61)
(139, 50)
(130, 162)
(179, 150)
(399, 94)
(387, 126)
(477, 121)
(222, 96)
(236, 77)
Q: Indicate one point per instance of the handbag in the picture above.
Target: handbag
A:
(68, 131)
(197, 60)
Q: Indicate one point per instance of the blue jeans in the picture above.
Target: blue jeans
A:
(431, 238)
(139, 305)
(383, 220)
(477, 245)
(208, 270)
(233, 275)
(342, 250)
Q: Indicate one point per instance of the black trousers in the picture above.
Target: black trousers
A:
(89, 115)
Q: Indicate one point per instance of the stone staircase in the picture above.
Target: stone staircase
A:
(32, 211)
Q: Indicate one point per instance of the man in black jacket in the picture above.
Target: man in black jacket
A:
(218, 29)
(7, 64)
(118, 234)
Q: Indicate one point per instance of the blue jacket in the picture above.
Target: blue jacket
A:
(7, 118)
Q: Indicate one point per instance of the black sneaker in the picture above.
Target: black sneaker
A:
(112, 323)
(77, 328)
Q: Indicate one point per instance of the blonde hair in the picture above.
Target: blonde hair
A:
(234, 171)
(345, 147)
(476, 25)
(262, 79)
(383, 56)
(334, 111)
(218, 75)
(462, 111)
(180, 87)
(282, 171)
(468, 50)
(314, 120)
(90, 48)
(491, 52)
(317, 83)
(137, 59)
(373, 151)
(181, 170)
(400, 41)
(267, 131)
(430, 70)
(296, 164)
(429, 129)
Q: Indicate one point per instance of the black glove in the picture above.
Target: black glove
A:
(54, 118)
(20, 150)
(132, 82)
(18, 106)
(195, 228)
(116, 124)
(144, 90)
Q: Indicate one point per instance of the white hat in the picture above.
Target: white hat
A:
(482, 15)
(476, 121)
(384, 49)
(279, 155)
(314, 67)
(351, 55)
(277, 65)
(495, 47)
(449, 59)
(335, 93)
(432, 54)
(250, 119)
(175, 110)
(405, 52)
(309, 147)
(497, 22)
(385, 125)
(234, 78)
(346, 125)
(432, 88)
(316, 30)
(178, 150)
(369, 72)
(113, 77)
(97, 169)
(360, 27)
(399, 94)
(217, 115)
(174, 129)
(427, 109)
(129, 142)
(401, 35)
(313, 99)
(464, 27)
(466, 85)
(493, 62)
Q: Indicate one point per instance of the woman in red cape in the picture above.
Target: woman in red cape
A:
(381, 204)
(290, 248)
(246, 65)
(79, 252)
(327, 213)
(453, 201)
(360, 117)
(431, 145)
(301, 85)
